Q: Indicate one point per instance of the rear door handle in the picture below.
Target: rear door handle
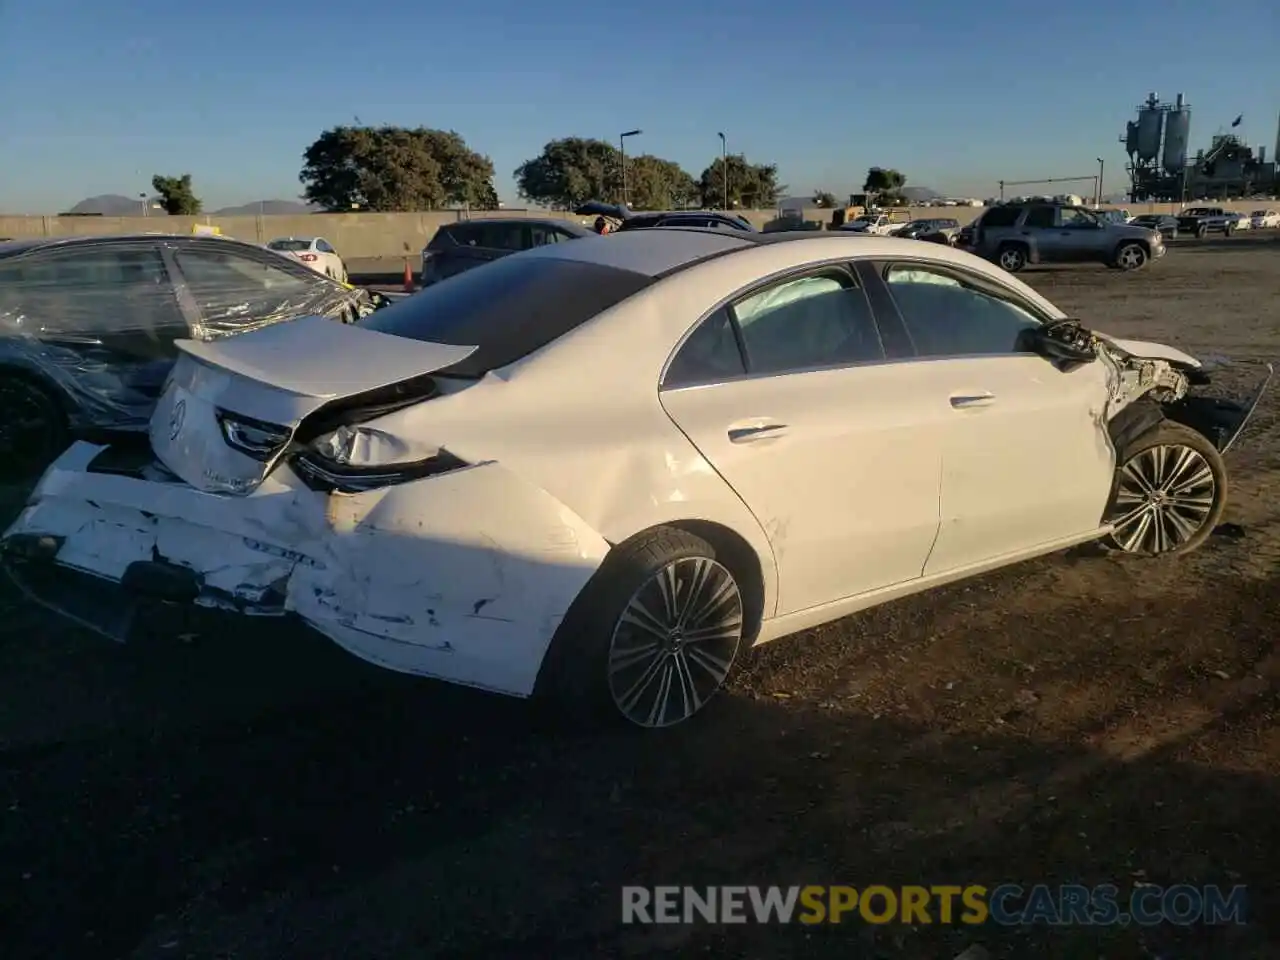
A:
(964, 401)
(761, 432)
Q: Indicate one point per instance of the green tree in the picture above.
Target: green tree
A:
(570, 172)
(885, 184)
(657, 184)
(824, 199)
(395, 169)
(175, 195)
(751, 186)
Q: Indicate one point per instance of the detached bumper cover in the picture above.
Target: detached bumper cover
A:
(463, 576)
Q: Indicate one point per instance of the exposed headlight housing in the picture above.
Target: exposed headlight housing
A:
(351, 459)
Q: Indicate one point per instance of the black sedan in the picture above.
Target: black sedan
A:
(87, 326)
(1167, 225)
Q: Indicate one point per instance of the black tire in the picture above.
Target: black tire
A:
(587, 674)
(1130, 256)
(1174, 527)
(1201, 232)
(33, 427)
(1012, 257)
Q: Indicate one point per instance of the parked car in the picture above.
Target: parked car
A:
(1265, 219)
(316, 252)
(1015, 235)
(87, 325)
(467, 244)
(1202, 221)
(1162, 222)
(596, 472)
(918, 229)
(881, 224)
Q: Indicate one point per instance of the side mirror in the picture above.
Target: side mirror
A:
(1061, 341)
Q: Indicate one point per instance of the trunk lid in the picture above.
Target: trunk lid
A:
(231, 406)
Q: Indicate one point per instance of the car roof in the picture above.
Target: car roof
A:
(661, 252)
(307, 239)
(567, 225)
(15, 247)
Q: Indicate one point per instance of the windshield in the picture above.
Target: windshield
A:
(508, 308)
(290, 245)
(1258, 213)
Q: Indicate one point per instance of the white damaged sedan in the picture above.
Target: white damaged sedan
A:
(599, 471)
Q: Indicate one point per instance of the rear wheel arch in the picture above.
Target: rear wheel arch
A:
(575, 675)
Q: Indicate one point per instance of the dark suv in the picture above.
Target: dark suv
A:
(458, 247)
(1014, 235)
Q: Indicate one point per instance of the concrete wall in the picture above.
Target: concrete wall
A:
(384, 235)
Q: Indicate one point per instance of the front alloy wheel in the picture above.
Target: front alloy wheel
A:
(1013, 259)
(675, 642)
(1170, 492)
(1131, 256)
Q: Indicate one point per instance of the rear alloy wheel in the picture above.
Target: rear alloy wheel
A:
(33, 428)
(675, 642)
(1171, 489)
(1131, 256)
(1013, 258)
(654, 635)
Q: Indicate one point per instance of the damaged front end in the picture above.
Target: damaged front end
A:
(1148, 382)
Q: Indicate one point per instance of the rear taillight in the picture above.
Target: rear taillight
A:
(254, 438)
(308, 258)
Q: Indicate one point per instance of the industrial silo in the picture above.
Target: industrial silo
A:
(1150, 120)
(1177, 130)
(1131, 138)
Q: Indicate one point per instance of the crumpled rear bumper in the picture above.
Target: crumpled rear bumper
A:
(464, 576)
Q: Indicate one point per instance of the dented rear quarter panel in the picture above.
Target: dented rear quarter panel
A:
(464, 576)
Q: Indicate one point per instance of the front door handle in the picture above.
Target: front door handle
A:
(964, 401)
(761, 432)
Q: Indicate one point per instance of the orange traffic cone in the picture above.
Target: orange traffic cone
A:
(408, 278)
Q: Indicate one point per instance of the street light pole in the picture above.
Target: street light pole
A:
(724, 165)
(622, 149)
(1097, 200)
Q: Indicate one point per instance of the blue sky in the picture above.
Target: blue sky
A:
(97, 96)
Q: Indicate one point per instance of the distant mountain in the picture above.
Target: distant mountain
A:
(110, 205)
(267, 208)
(916, 194)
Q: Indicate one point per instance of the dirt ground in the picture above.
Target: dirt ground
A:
(224, 790)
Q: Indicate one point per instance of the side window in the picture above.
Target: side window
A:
(323, 246)
(1079, 220)
(709, 355)
(807, 322)
(1000, 217)
(502, 236)
(540, 235)
(1040, 218)
(947, 318)
(96, 289)
(231, 287)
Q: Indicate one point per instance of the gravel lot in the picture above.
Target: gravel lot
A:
(240, 791)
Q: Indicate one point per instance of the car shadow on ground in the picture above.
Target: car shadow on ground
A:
(252, 792)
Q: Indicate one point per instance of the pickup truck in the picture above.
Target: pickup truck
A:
(881, 224)
(1201, 221)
